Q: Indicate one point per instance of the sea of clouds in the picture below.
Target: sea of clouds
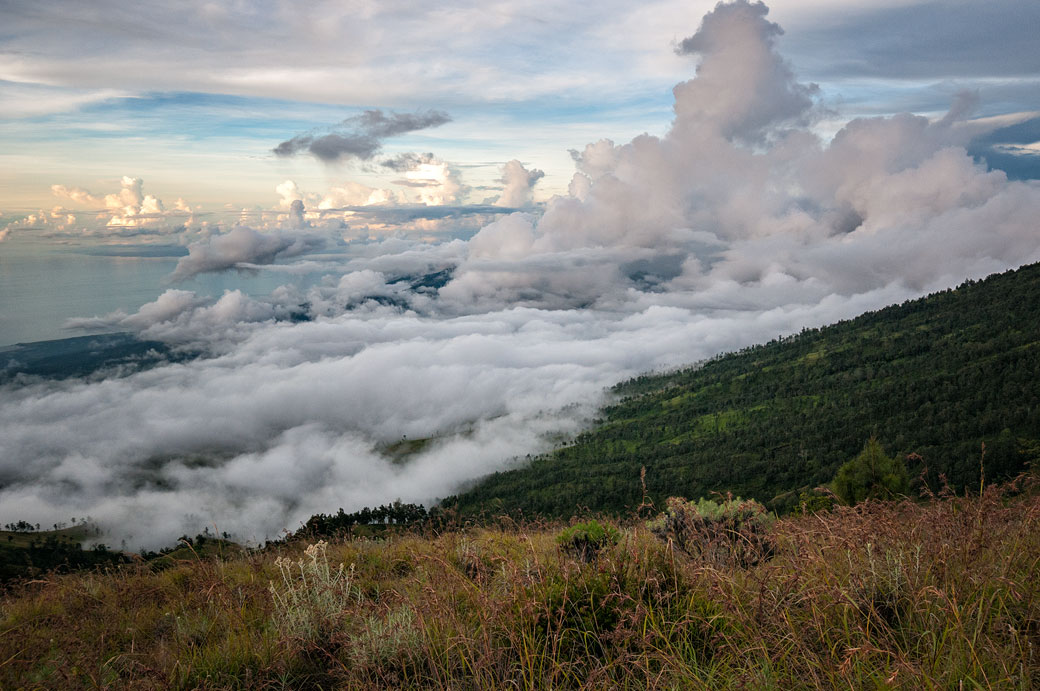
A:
(735, 226)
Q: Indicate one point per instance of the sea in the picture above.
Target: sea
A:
(42, 286)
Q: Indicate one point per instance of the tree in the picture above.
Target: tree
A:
(870, 475)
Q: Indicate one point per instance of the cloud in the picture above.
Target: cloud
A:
(129, 206)
(326, 54)
(289, 192)
(128, 212)
(965, 102)
(57, 221)
(183, 318)
(407, 161)
(436, 182)
(293, 419)
(355, 194)
(28, 100)
(743, 86)
(361, 136)
(743, 195)
(519, 183)
(243, 245)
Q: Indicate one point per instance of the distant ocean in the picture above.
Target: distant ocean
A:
(41, 286)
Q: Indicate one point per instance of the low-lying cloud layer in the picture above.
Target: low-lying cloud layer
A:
(735, 226)
(244, 245)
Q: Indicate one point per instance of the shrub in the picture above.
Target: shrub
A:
(733, 532)
(585, 540)
(313, 596)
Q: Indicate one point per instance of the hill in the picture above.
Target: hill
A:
(82, 356)
(932, 378)
(26, 551)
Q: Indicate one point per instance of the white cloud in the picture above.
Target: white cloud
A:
(243, 245)
(355, 194)
(35, 100)
(126, 209)
(518, 184)
(290, 421)
(869, 208)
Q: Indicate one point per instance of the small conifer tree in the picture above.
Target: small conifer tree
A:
(871, 475)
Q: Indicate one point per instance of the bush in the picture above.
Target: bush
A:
(816, 500)
(585, 540)
(733, 532)
(871, 475)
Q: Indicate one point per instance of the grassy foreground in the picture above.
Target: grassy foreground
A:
(940, 594)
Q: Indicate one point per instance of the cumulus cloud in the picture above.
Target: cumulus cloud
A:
(126, 213)
(128, 207)
(743, 88)
(361, 136)
(739, 193)
(425, 181)
(60, 221)
(736, 225)
(243, 245)
(518, 184)
(435, 183)
(289, 192)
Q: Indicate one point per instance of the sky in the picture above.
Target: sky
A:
(194, 98)
(501, 211)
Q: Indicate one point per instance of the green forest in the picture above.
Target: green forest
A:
(947, 383)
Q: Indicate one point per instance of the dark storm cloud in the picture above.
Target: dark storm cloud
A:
(360, 136)
(407, 161)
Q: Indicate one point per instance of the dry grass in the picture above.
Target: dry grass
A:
(944, 594)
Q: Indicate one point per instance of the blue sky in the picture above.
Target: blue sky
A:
(192, 97)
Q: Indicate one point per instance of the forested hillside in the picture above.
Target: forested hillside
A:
(933, 379)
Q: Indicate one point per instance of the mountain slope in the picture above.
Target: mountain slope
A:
(935, 377)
